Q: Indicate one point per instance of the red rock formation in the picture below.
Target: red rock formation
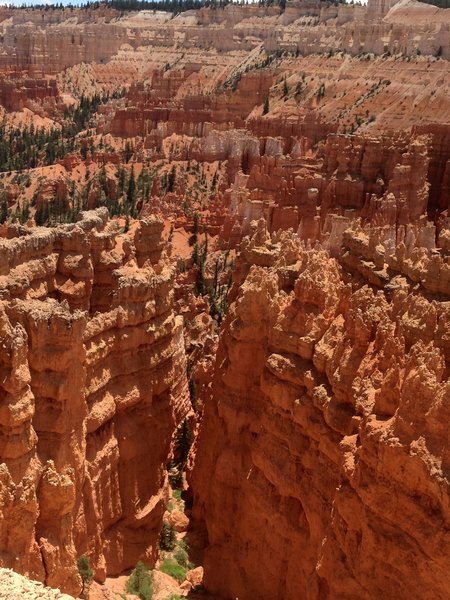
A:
(389, 180)
(193, 115)
(93, 387)
(321, 464)
(17, 93)
(439, 170)
(41, 41)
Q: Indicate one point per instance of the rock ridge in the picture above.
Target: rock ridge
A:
(93, 388)
(326, 439)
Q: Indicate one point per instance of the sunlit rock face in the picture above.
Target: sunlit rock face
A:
(321, 463)
(93, 388)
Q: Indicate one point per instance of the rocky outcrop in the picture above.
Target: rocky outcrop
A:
(321, 466)
(18, 92)
(155, 112)
(377, 254)
(44, 42)
(389, 181)
(13, 585)
(93, 387)
(41, 41)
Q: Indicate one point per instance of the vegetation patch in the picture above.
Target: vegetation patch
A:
(172, 568)
(167, 537)
(140, 582)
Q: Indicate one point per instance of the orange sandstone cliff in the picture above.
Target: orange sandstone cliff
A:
(92, 388)
(322, 464)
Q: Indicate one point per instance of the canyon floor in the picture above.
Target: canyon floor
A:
(225, 301)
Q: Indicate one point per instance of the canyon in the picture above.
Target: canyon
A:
(225, 298)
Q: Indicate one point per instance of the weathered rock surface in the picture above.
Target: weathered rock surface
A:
(322, 464)
(17, 93)
(391, 182)
(93, 386)
(44, 42)
(13, 585)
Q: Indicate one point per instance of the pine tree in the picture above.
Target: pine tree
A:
(195, 254)
(85, 571)
(120, 180)
(131, 192)
(167, 537)
(140, 582)
(171, 179)
(215, 180)
(216, 277)
(195, 226)
(266, 106)
(183, 443)
(50, 153)
(42, 214)
(200, 279)
(102, 179)
(128, 151)
(3, 209)
(84, 151)
(205, 247)
(24, 213)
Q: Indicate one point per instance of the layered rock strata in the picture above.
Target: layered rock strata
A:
(322, 464)
(93, 386)
(17, 92)
(394, 181)
(41, 41)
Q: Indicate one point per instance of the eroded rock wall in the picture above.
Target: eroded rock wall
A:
(93, 387)
(393, 181)
(41, 41)
(322, 464)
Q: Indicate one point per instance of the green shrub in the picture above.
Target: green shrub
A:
(85, 571)
(177, 494)
(167, 537)
(172, 568)
(181, 556)
(183, 544)
(140, 582)
(320, 93)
